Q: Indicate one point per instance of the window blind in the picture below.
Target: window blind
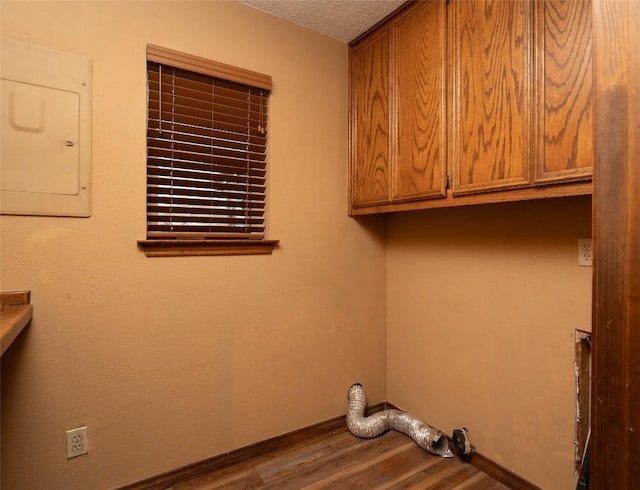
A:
(206, 154)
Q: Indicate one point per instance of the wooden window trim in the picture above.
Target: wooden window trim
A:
(190, 248)
(205, 66)
(159, 246)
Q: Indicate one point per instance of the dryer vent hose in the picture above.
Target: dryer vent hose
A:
(428, 438)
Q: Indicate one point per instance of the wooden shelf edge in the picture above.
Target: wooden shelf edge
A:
(15, 315)
(15, 298)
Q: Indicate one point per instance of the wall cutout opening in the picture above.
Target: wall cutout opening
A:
(582, 370)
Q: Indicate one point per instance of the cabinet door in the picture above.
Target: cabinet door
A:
(419, 159)
(492, 113)
(566, 88)
(370, 123)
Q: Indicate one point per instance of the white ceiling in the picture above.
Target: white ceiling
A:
(340, 19)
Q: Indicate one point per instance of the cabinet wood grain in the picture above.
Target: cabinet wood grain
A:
(419, 164)
(370, 120)
(492, 120)
(566, 91)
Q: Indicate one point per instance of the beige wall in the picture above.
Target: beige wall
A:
(170, 361)
(482, 305)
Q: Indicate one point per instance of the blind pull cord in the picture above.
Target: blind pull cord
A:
(160, 97)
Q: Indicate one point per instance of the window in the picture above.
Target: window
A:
(206, 157)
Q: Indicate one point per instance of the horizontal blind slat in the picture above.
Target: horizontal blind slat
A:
(223, 195)
(170, 209)
(201, 228)
(163, 147)
(205, 219)
(159, 168)
(210, 166)
(169, 88)
(227, 126)
(233, 190)
(201, 144)
(218, 135)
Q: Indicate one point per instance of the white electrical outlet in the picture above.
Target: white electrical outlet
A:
(77, 442)
(585, 252)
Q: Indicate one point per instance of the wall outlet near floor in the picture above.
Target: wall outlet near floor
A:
(585, 252)
(77, 442)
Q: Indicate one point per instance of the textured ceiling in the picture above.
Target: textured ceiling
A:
(340, 19)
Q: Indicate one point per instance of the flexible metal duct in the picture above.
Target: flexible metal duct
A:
(428, 438)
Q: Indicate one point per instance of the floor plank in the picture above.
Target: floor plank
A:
(339, 460)
(371, 472)
(318, 469)
(481, 481)
(235, 477)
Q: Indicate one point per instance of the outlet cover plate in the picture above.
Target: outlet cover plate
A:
(585, 252)
(77, 442)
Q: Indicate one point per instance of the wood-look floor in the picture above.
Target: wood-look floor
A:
(338, 460)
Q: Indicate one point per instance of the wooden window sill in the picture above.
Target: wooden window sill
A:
(186, 248)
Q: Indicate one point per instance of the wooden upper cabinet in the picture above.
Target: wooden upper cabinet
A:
(398, 111)
(370, 120)
(492, 94)
(493, 97)
(566, 100)
(419, 159)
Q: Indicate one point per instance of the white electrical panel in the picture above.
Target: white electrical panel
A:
(45, 160)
